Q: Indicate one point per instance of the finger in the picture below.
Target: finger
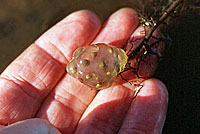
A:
(106, 112)
(144, 61)
(28, 80)
(66, 105)
(30, 126)
(108, 108)
(117, 31)
(76, 30)
(148, 111)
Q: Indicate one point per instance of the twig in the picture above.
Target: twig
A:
(162, 19)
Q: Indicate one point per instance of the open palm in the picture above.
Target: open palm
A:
(36, 84)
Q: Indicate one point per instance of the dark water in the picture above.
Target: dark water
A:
(22, 21)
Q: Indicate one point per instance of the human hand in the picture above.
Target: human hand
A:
(35, 85)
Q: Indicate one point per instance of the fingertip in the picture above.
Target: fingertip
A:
(75, 30)
(127, 16)
(127, 10)
(87, 14)
(147, 112)
(118, 28)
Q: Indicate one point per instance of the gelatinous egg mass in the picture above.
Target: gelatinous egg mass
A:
(97, 65)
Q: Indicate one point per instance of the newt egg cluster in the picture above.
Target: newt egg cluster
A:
(97, 65)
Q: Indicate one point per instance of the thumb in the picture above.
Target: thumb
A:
(30, 126)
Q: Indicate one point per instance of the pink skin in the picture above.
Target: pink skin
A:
(147, 64)
(36, 84)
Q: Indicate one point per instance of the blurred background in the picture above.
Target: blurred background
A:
(23, 21)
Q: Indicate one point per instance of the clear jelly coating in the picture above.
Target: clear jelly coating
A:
(97, 65)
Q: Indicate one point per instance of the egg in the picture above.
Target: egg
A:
(97, 65)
